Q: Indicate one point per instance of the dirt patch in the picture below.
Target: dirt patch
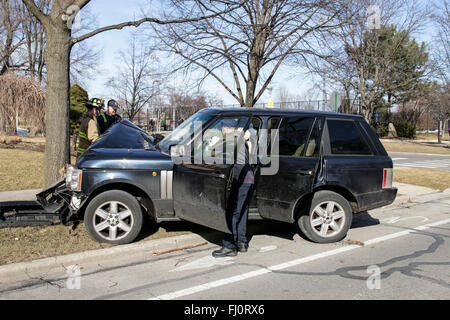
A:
(30, 146)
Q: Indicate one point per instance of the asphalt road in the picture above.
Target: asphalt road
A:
(418, 160)
(390, 253)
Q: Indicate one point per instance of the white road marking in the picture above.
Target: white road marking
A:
(398, 159)
(396, 219)
(432, 164)
(205, 262)
(266, 249)
(296, 262)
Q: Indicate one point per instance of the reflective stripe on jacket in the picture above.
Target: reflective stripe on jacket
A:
(86, 138)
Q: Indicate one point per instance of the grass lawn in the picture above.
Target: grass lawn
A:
(413, 148)
(430, 178)
(31, 243)
(21, 169)
(431, 136)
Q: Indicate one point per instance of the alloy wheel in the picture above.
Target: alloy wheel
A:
(327, 219)
(113, 220)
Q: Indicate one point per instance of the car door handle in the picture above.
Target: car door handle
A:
(305, 172)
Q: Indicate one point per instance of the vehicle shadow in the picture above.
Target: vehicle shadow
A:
(278, 229)
(363, 219)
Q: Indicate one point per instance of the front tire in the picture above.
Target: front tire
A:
(328, 218)
(114, 217)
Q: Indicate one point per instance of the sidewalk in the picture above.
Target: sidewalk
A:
(56, 268)
(19, 195)
(432, 143)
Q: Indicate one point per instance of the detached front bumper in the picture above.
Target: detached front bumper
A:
(51, 207)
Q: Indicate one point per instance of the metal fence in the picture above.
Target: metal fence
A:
(319, 105)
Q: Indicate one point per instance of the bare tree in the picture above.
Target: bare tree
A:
(11, 38)
(441, 17)
(21, 100)
(57, 25)
(138, 78)
(250, 43)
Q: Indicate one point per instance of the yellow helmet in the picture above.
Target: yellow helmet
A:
(95, 103)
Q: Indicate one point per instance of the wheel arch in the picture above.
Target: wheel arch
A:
(304, 201)
(142, 196)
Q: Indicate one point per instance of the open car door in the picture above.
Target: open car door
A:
(200, 188)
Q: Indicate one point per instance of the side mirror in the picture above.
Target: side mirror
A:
(177, 150)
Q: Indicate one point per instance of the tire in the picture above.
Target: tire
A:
(114, 217)
(327, 219)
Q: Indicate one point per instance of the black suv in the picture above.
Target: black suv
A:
(322, 168)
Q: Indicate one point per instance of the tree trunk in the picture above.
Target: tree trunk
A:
(57, 56)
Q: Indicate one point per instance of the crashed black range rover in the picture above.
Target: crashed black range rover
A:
(324, 168)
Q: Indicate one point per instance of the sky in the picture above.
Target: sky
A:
(107, 12)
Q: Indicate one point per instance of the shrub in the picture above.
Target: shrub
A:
(405, 129)
(382, 129)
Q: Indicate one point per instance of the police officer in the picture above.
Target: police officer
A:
(110, 117)
(88, 127)
(241, 191)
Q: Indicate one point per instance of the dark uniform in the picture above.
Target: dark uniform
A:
(105, 121)
(238, 202)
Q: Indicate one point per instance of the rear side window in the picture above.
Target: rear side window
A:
(293, 133)
(346, 138)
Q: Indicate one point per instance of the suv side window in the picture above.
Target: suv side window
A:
(294, 133)
(214, 138)
(345, 138)
(313, 148)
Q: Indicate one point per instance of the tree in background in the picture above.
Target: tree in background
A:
(138, 78)
(248, 45)
(22, 43)
(78, 99)
(57, 23)
(11, 38)
(21, 103)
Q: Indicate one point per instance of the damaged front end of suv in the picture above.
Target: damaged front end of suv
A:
(64, 201)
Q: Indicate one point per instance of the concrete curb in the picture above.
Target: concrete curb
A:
(28, 273)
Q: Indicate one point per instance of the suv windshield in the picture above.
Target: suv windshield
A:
(185, 129)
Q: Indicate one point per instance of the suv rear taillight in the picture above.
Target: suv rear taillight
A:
(387, 177)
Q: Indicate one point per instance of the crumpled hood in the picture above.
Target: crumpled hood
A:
(124, 146)
(124, 135)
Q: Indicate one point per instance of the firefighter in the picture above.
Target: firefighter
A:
(108, 118)
(88, 127)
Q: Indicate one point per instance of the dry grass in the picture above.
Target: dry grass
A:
(31, 243)
(430, 178)
(431, 136)
(414, 148)
(8, 140)
(33, 139)
(21, 169)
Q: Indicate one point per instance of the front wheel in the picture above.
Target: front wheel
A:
(114, 217)
(328, 218)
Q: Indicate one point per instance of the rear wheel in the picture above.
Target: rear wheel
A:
(114, 217)
(328, 218)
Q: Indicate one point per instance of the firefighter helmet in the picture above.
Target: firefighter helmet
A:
(96, 103)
